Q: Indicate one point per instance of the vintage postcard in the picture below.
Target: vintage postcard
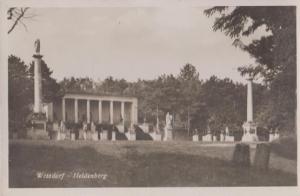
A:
(172, 96)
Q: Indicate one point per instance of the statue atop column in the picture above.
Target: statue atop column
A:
(37, 46)
(168, 127)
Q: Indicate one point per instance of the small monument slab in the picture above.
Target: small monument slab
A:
(195, 138)
(104, 135)
(207, 138)
(113, 136)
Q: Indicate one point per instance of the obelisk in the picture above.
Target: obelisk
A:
(37, 78)
(249, 127)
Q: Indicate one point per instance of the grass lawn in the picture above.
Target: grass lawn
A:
(139, 164)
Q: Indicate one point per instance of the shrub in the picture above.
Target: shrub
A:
(285, 146)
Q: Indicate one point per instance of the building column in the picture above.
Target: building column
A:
(249, 101)
(100, 110)
(63, 109)
(134, 112)
(88, 113)
(123, 112)
(111, 112)
(132, 116)
(76, 110)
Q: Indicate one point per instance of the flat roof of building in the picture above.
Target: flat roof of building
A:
(96, 95)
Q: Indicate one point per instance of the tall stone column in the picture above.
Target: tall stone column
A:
(38, 119)
(134, 117)
(111, 112)
(64, 109)
(76, 110)
(37, 83)
(249, 127)
(100, 111)
(249, 101)
(157, 119)
(88, 111)
(123, 112)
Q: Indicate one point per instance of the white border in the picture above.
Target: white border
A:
(290, 191)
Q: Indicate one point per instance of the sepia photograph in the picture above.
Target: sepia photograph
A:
(151, 96)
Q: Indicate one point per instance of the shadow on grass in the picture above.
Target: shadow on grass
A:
(155, 169)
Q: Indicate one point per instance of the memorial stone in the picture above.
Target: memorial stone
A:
(168, 128)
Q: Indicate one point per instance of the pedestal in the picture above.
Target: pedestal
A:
(103, 135)
(73, 136)
(215, 138)
(229, 138)
(132, 137)
(95, 136)
(57, 136)
(222, 137)
(276, 136)
(89, 135)
(195, 138)
(157, 137)
(81, 134)
(168, 134)
(39, 127)
(207, 138)
(62, 136)
(250, 132)
(113, 136)
(271, 137)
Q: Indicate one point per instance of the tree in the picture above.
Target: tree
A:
(190, 86)
(188, 73)
(275, 53)
(20, 93)
(17, 16)
(113, 86)
(225, 103)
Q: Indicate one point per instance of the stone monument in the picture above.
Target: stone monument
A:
(168, 128)
(228, 138)
(195, 136)
(208, 137)
(249, 127)
(38, 119)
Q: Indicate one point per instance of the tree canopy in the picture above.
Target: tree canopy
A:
(275, 54)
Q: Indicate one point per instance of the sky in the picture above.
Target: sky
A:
(127, 42)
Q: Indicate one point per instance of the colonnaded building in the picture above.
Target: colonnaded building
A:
(93, 107)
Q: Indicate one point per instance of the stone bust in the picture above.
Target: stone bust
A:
(37, 46)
